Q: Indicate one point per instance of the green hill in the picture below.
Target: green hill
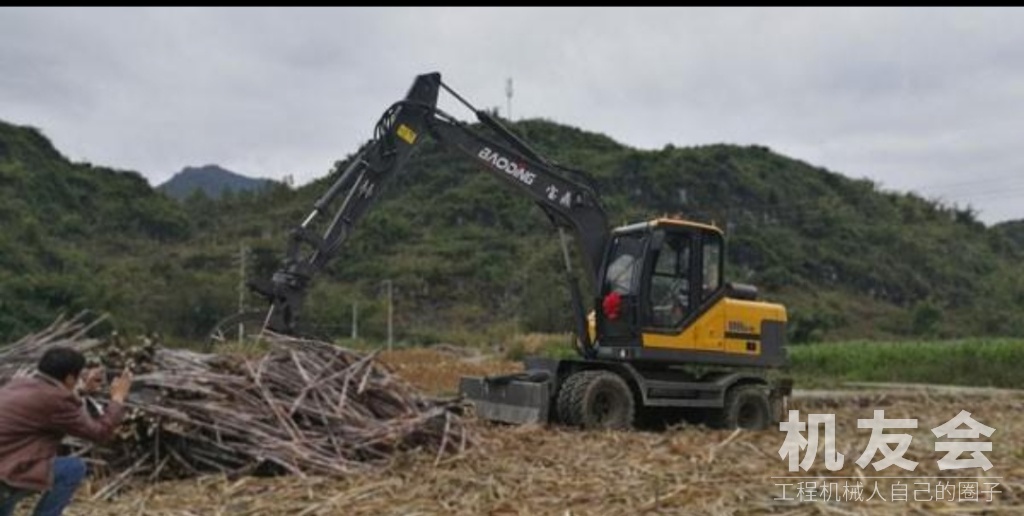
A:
(470, 259)
(70, 231)
(1013, 231)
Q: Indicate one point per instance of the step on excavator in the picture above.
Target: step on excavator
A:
(664, 334)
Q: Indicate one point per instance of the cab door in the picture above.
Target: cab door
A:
(680, 290)
(619, 306)
(668, 284)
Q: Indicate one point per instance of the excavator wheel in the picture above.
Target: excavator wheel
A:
(596, 400)
(238, 331)
(746, 407)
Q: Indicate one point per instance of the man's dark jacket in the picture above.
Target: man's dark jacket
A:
(36, 413)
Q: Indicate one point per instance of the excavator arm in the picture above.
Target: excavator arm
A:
(566, 196)
(358, 187)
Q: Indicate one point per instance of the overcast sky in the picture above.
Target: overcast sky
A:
(930, 100)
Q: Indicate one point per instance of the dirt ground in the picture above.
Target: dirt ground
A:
(683, 470)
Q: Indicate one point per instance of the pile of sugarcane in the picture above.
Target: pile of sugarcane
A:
(302, 407)
(21, 356)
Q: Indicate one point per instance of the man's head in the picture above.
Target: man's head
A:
(62, 364)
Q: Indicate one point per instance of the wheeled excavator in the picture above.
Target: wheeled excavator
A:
(665, 332)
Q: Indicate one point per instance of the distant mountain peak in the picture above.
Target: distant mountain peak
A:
(213, 180)
(210, 168)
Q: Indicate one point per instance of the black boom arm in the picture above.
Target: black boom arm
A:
(565, 195)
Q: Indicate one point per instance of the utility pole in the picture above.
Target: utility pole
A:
(242, 251)
(243, 258)
(355, 320)
(508, 95)
(391, 313)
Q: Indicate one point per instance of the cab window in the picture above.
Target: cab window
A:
(669, 293)
(624, 265)
(712, 266)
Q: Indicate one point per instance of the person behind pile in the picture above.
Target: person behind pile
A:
(36, 413)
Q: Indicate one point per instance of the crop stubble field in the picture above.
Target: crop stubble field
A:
(683, 470)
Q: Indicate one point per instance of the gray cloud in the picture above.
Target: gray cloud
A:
(930, 100)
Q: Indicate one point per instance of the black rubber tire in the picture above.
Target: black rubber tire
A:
(226, 330)
(746, 407)
(596, 400)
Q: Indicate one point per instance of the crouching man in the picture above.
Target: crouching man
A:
(36, 413)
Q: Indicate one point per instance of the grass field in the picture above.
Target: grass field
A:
(987, 363)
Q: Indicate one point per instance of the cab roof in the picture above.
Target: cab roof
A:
(666, 221)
